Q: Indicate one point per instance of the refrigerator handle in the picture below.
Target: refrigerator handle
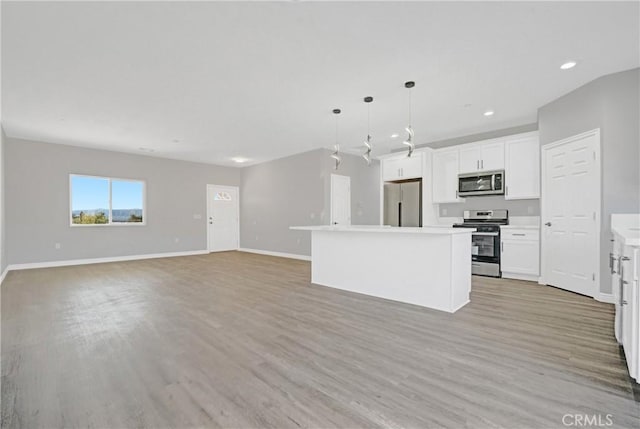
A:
(399, 213)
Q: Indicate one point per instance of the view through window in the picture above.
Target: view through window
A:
(106, 201)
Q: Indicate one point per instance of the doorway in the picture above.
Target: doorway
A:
(570, 209)
(223, 220)
(340, 200)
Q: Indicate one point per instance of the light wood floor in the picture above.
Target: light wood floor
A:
(241, 340)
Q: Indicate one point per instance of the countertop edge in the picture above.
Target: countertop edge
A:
(435, 230)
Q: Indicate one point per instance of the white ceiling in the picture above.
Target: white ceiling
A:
(212, 81)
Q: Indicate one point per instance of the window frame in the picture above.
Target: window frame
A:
(109, 181)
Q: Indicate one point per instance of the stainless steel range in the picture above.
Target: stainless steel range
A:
(485, 242)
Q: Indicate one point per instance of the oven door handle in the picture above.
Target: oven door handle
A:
(493, 234)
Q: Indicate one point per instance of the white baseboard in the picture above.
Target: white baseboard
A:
(278, 254)
(605, 297)
(518, 276)
(101, 260)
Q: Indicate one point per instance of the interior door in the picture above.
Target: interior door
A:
(570, 213)
(340, 200)
(222, 218)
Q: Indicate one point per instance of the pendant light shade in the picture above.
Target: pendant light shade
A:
(367, 142)
(410, 134)
(336, 153)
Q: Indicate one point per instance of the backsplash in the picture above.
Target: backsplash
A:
(515, 207)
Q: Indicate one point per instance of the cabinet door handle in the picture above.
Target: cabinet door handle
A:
(611, 263)
(482, 164)
(518, 234)
(477, 164)
(502, 246)
(506, 189)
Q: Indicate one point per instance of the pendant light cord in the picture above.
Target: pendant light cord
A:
(409, 106)
(368, 119)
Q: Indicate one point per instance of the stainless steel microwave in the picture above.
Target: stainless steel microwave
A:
(481, 183)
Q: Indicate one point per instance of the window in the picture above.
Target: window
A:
(106, 201)
(222, 196)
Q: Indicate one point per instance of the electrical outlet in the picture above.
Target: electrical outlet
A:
(256, 238)
(197, 216)
(58, 245)
(312, 215)
(298, 241)
(444, 212)
(177, 240)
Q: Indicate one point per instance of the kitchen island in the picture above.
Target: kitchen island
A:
(428, 266)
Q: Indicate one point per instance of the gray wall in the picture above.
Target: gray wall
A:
(610, 103)
(481, 136)
(295, 191)
(515, 207)
(3, 247)
(37, 203)
(365, 187)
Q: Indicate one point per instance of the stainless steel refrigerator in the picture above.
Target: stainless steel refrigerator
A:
(403, 203)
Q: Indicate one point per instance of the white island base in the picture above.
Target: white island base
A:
(430, 266)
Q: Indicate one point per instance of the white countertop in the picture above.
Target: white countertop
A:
(430, 229)
(627, 227)
(536, 227)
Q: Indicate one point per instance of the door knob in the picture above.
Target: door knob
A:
(548, 223)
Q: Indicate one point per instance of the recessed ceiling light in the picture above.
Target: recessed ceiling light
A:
(489, 113)
(568, 65)
(394, 136)
(239, 159)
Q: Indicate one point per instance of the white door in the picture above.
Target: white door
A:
(222, 218)
(340, 200)
(571, 213)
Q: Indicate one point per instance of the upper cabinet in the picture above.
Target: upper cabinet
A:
(522, 166)
(484, 156)
(402, 167)
(445, 176)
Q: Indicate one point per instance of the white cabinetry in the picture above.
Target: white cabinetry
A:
(484, 156)
(445, 176)
(470, 159)
(520, 252)
(522, 167)
(624, 263)
(402, 167)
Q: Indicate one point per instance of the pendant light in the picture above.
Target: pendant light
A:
(367, 142)
(336, 153)
(409, 140)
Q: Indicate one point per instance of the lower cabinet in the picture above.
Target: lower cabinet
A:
(625, 269)
(520, 253)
